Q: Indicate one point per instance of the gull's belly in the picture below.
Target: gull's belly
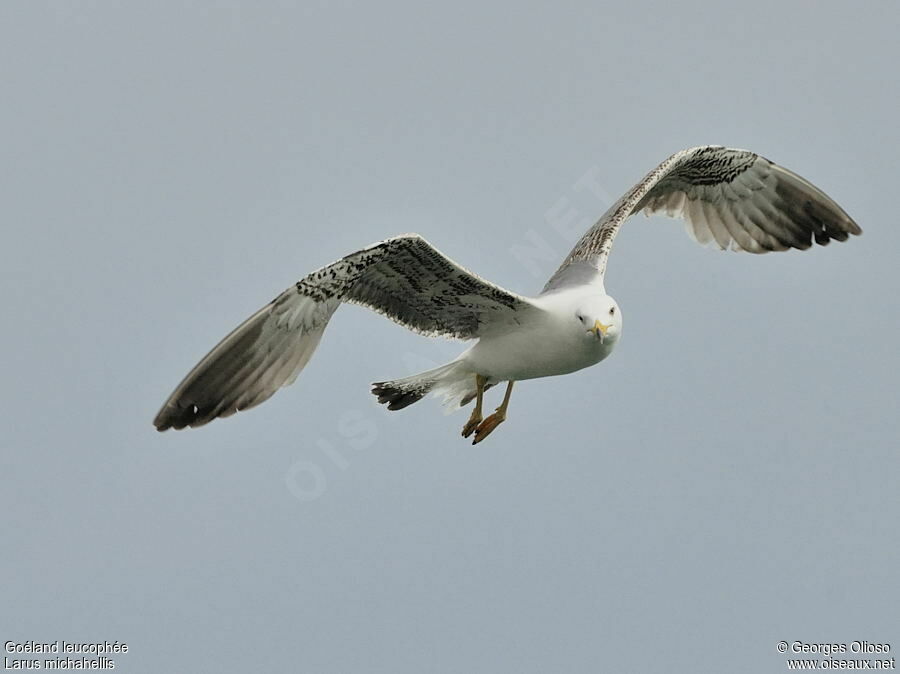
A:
(526, 354)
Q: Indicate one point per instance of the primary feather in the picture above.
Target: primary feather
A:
(733, 198)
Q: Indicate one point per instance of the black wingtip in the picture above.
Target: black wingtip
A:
(175, 417)
(178, 417)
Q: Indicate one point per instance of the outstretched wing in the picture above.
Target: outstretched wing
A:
(732, 198)
(404, 278)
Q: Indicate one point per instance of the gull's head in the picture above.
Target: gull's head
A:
(599, 318)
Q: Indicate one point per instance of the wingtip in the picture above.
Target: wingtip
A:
(161, 421)
(177, 418)
(163, 424)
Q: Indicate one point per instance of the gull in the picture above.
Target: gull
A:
(733, 199)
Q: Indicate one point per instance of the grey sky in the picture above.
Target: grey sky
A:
(726, 480)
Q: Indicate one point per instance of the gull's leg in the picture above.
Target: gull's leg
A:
(476, 417)
(498, 417)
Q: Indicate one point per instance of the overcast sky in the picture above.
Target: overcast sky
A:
(726, 480)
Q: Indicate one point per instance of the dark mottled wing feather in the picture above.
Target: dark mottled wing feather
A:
(414, 284)
(404, 278)
(734, 199)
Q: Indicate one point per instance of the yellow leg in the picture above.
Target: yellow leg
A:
(476, 417)
(498, 417)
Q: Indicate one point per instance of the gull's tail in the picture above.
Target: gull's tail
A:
(454, 381)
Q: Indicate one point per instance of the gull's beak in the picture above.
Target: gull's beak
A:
(600, 330)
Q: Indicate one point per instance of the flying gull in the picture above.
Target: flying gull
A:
(734, 199)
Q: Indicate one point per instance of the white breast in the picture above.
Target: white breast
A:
(551, 347)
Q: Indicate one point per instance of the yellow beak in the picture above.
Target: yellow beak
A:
(599, 329)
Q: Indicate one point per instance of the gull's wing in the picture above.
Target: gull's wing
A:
(404, 278)
(732, 198)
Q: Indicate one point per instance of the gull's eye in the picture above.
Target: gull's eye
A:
(612, 311)
(579, 317)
